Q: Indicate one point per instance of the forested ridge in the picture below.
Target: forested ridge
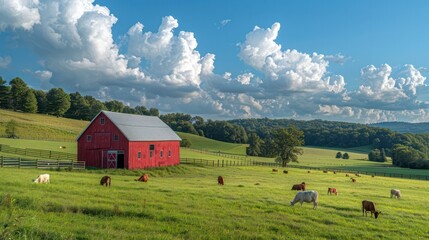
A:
(406, 150)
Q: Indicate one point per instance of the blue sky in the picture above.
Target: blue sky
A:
(359, 61)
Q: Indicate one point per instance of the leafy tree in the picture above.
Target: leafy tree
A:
(17, 93)
(58, 102)
(79, 107)
(383, 157)
(374, 155)
(114, 106)
(185, 143)
(285, 144)
(11, 129)
(142, 110)
(254, 148)
(42, 101)
(95, 106)
(346, 156)
(154, 112)
(339, 155)
(29, 102)
(128, 109)
(4, 94)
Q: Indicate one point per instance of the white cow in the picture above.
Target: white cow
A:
(306, 196)
(395, 193)
(43, 178)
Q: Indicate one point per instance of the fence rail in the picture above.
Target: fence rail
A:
(39, 163)
(38, 153)
(227, 163)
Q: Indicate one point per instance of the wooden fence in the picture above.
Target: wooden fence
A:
(228, 163)
(38, 153)
(44, 164)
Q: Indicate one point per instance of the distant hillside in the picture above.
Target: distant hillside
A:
(203, 143)
(404, 127)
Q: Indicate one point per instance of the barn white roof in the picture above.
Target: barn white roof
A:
(140, 127)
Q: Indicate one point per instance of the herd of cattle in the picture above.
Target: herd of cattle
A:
(307, 196)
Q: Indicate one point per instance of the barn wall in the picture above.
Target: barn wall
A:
(146, 161)
(102, 140)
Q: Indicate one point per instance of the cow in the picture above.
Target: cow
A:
(335, 172)
(306, 196)
(299, 187)
(332, 191)
(106, 180)
(357, 175)
(395, 193)
(368, 206)
(308, 172)
(42, 178)
(285, 171)
(324, 171)
(275, 170)
(143, 178)
(220, 180)
(347, 174)
(353, 180)
(372, 176)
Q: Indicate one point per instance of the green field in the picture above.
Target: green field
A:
(185, 202)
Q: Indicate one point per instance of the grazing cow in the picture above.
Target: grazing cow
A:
(335, 172)
(353, 180)
(347, 174)
(372, 176)
(285, 171)
(368, 206)
(332, 191)
(275, 170)
(308, 171)
(306, 196)
(357, 175)
(143, 178)
(299, 187)
(324, 171)
(395, 193)
(106, 180)
(220, 180)
(42, 178)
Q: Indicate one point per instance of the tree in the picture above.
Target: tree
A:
(17, 91)
(95, 106)
(141, 110)
(11, 129)
(285, 144)
(339, 155)
(185, 143)
(254, 148)
(383, 157)
(4, 94)
(154, 112)
(79, 107)
(58, 102)
(346, 156)
(29, 102)
(42, 101)
(374, 155)
(114, 106)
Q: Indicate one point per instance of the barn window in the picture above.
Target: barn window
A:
(88, 138)
(150, 154)
(139, 155)
(169, 153)
(115, 137)
(151, 147)
(102, 121)
(161, 153)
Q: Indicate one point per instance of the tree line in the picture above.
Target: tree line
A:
(406, 150)
(18, 96)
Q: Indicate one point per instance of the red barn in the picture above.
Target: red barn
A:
(119, 140)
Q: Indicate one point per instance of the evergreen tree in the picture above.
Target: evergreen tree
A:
(58, 102)
(17, 92)
(95, 106)
(42, 101)
(79, 107)
(4, 94)
(29, 102)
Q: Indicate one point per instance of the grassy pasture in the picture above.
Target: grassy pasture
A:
(207, 144)
(185, 202)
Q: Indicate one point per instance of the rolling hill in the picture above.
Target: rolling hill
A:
(404, 127)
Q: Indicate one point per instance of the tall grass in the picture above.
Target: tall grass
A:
(185, 202)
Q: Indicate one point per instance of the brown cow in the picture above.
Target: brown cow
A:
(299, 187)
(308, 172)
(347, 174)
(106, 180)
(332, 191)
(324, 171)
(368, 206)
(220, 180)
(285, 171)
(275, 170)
(353, 180)
(143, 178)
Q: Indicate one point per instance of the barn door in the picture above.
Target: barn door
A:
(112, 158)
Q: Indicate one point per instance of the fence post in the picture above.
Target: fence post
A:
(222, 162)
(218, 162)
(1, 160)
(19, 162)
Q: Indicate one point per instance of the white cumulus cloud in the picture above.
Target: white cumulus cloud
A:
(5, 61)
